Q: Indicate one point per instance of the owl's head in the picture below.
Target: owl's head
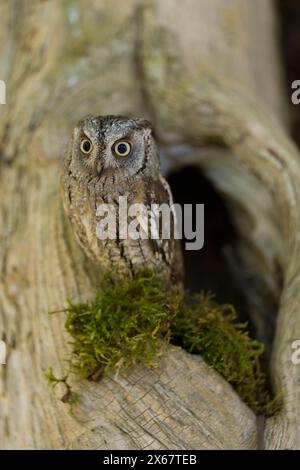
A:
(106, 144)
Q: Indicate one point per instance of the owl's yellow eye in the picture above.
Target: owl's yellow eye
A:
(122, 148)
(86, 146)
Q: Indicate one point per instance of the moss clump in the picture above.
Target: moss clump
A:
(126, 322)
(130, 320)
(207, 328)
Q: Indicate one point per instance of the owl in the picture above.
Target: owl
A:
(112, 159)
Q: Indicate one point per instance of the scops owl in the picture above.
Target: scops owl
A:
(111, 157)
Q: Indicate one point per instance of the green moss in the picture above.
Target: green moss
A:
(126, 322)
(69, 396)
(209, 329)
(131, 320)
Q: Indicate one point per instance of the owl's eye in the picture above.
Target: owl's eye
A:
(122, 148)
(86, 146)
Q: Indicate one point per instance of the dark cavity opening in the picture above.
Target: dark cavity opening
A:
(209, 269)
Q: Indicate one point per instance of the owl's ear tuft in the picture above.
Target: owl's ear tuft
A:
(143, 123)
(147, 125)
(87, 120)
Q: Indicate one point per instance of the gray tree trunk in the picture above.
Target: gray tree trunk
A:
(207, 74)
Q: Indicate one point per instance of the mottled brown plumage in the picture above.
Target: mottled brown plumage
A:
(94, 173)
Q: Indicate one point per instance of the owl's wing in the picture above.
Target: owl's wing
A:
(162, 239)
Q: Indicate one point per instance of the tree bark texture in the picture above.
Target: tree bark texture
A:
(207, 74)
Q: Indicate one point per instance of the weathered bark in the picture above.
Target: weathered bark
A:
(207, 75)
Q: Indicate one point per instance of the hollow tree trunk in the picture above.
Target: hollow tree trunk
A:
(206, 73)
